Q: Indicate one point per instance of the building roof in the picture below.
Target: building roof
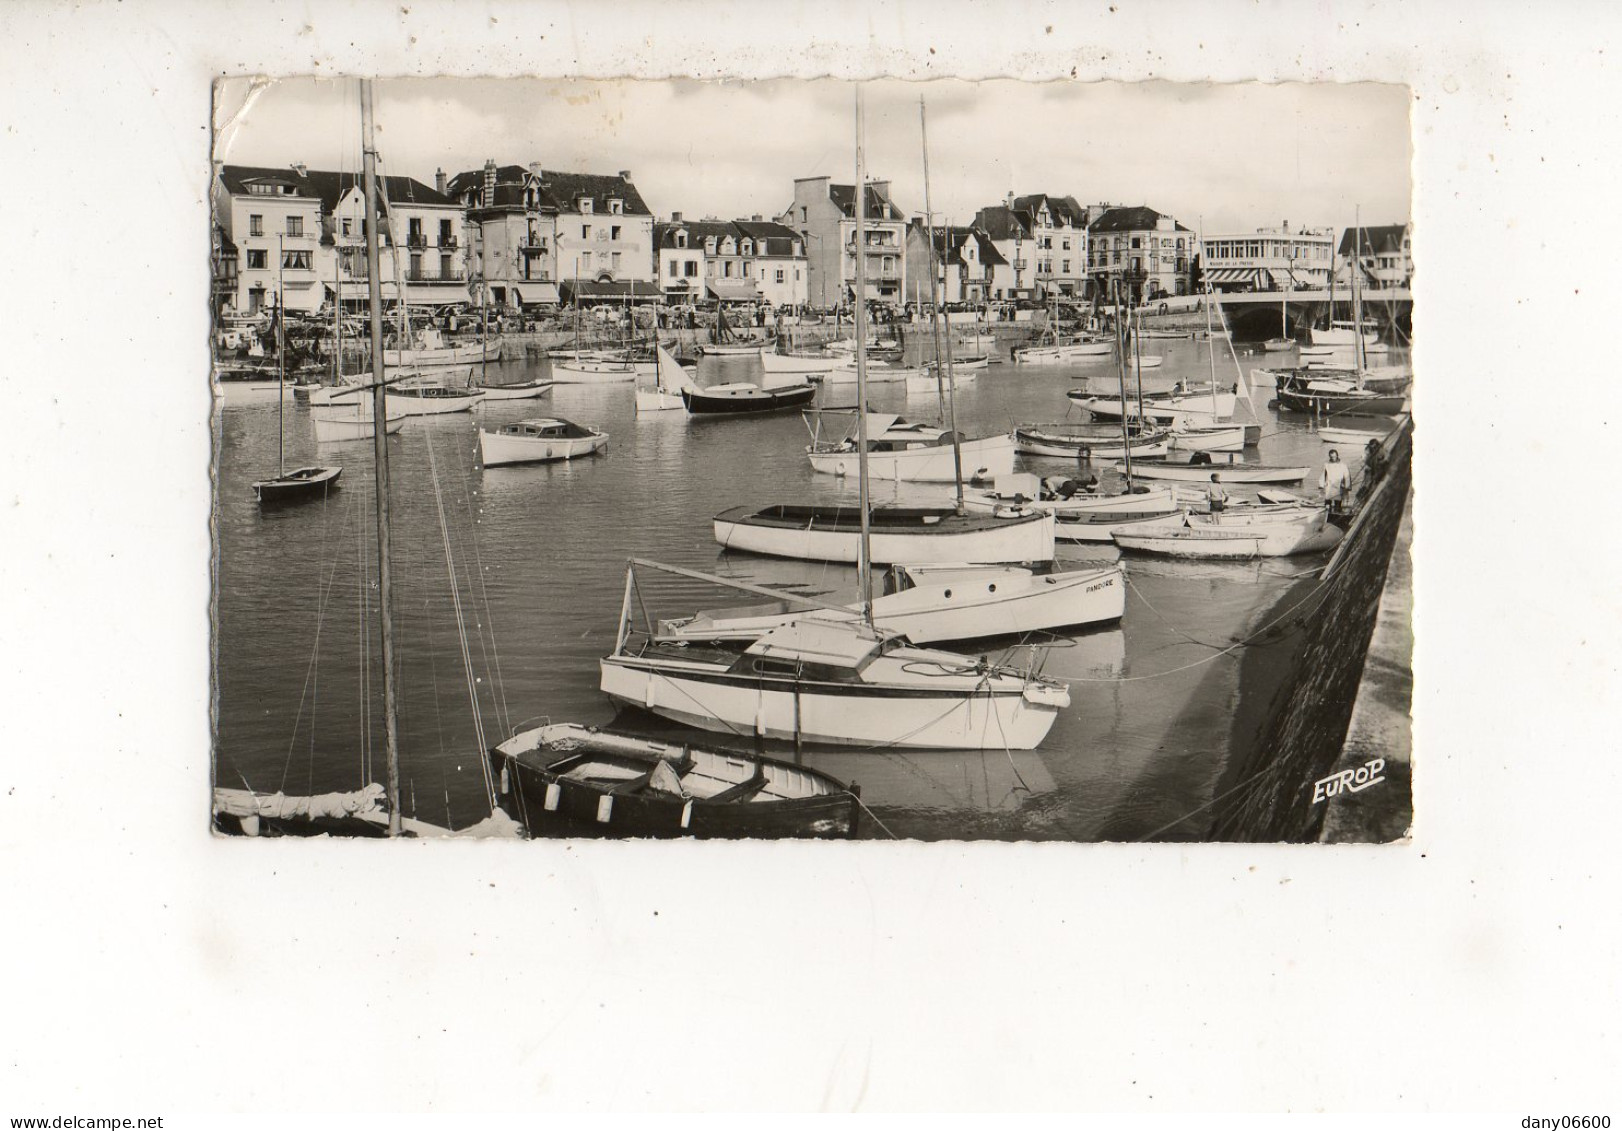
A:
(1000, 222)
(878, 206)
(949, 243)
(327, 187)
(1141, 218)
(558, 191)
(771, 238)
(1383, 240)
(1063, 207)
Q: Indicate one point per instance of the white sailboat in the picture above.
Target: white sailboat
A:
(901, 451)
(669, 381)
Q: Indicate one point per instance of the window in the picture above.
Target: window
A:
(675, 269)
(616, 261)
(726, 269)
(681, 239)
(585, 231)
(346, 224)
(585, 260)
(447, 269)
(416, 265)
(295, 225)
(296, 260)
(585, 205)
(256, 259)
(614, 232)
(746, 268)
(802, 216)
(1064, 244)
(1067, 267)
(445, 233)
(256, 225)
(780, 274)
(616, 207)
(690, 269)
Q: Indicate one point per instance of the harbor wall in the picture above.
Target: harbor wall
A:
(1299, 684)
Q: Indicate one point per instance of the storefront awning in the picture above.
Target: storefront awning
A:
(734, 290)
(1258, 278)
(589, 290)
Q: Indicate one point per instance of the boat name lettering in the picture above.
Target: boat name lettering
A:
(1370, 773)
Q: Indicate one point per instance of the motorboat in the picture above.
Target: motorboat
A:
(547, 439)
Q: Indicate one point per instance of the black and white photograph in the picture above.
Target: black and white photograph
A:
(1116, 551)
(730, 560)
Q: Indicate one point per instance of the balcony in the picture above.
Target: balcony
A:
(449, 243)
(416, 239)
(425, 276)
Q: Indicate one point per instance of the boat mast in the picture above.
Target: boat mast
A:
(1359, 359)
(385, 595)
(1120, 371)
(1210, 337)
(281, 359)
(944, 377)
(1137, 364)
(337, 321)
(934, 304)
(864, 565)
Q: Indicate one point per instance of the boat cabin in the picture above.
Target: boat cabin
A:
(545, 429)
(811, 649)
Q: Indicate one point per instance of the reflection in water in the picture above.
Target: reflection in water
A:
(538, 560)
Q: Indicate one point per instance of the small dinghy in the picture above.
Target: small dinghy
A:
(1206, 536)
(566, 779)
(527, 390)
(297, 485)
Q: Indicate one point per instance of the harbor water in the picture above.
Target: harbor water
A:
(508, 585)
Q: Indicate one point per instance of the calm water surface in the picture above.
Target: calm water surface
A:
(537, 560)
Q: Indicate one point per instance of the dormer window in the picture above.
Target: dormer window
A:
(748, 247)
(709, 246)
(681, 239)
(615, 206)
(585, 205)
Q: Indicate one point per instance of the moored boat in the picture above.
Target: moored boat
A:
(743, 398)
(1232, 471)
(906, 452)
(337, 423)
(567, 779)
(827, 682)
(520, 391)
(542, 440)
(1068, 441)
(297, 485)
(1207, 536)
(907, 535)
(428, 399)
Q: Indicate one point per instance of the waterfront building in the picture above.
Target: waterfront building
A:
(1149, 253)
(754, 260)
(824, 215)
(536, 234)
(313, 223)
(1059, 238)
(965, 260)
(1269, 259)
(1009, 231)
(1387, 257)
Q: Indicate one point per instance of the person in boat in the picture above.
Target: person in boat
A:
(1216, 497)
(1336, 480)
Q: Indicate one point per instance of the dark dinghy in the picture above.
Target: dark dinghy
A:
(569, 780)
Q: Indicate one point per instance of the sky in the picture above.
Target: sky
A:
(1221, 158)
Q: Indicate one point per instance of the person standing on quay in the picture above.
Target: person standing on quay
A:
(1336, 481)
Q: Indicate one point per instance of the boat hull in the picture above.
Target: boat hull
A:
(298, 486)
(1230, 472)
(1339, 404)
(1204, 537)
(985, 458)
(1040, 442)
(351, 425)
(529, 390)
(1208, 439)
(431, 358)
(600, 373)
(496, 450)
(407, 405)
(1100, 527)
(722, 400)
(913, 537)
(874, 717)
(791, 363)
(1056, 355)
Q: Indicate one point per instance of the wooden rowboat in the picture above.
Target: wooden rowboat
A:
(566, 779)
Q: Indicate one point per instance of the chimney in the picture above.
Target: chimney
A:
(487, 195)
(755, 219)
(1008, 201)
(439, 181)
(300, 168)
(535, 168)
(625, 174)
(675, 217)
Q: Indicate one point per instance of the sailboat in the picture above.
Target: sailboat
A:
(903, 451)
(723, 342)
(517, 391)
(669, 382)
(1283, 341)
(303, 482)
(1061, 349)
(348, 419)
